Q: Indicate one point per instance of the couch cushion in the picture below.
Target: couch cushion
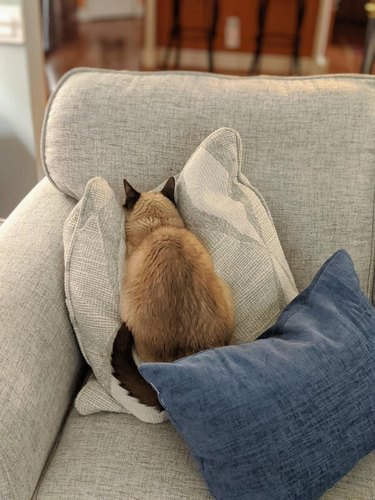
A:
(221, 207)
(94, 250)
(290, 414)
(118, 457)
(40, 363)
(230, 218)
(307, 142)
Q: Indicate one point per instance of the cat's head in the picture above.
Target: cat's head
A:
(145, 212)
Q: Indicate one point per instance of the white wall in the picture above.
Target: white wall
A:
(109, 9)
(22, 101)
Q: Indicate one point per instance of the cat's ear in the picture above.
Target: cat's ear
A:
(168, 189)
(131, 195)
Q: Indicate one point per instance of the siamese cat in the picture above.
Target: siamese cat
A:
(173, 304)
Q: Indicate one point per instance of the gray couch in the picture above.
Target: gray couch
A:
(309, 147)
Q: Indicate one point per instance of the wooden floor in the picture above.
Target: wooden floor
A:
(104, 44)
(118, 45)
(346, 51)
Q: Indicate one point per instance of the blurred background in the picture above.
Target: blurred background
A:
(42, 39)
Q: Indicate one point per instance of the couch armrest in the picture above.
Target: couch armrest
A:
(40, 362)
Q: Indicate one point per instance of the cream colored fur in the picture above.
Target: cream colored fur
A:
(172, 300)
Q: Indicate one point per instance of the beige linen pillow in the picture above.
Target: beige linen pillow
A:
(94, 250)
(230, 217)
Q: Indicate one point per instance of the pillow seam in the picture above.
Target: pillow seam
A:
(67, 280)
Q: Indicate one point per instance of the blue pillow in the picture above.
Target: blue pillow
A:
(288, 415)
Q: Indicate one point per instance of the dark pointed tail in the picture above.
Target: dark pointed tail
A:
(126, 371)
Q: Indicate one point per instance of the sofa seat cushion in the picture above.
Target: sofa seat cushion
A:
(117, 457)
(358, 484)
(289, 415)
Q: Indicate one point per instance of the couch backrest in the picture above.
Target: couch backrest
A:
(308, 146)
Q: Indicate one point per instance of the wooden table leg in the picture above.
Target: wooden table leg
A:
(212, 33)
(262, 14)
(297, 35)
(174, 35)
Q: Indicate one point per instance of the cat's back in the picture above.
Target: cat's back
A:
(170, 284)
(173, 301)
(169, 245)
(168, 248)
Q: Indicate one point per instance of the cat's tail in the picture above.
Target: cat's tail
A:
(126, 371)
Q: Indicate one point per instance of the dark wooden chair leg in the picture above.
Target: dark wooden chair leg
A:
(210, 54)
(178, 49)
(297, 36)
(262, 14)
(174, 35)
(168, 51)
(212, 33)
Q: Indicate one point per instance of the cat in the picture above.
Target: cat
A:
(172, 303)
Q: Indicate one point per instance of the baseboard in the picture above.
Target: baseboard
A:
(234, 61)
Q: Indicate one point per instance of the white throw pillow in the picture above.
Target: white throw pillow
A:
(230, 217)
(219, 205)
(94, 249)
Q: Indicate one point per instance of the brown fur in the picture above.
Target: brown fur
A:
(172, 301)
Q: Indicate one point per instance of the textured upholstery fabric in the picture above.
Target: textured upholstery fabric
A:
(219, 205)
(92, 398)
(94, 249)
(117, 457)
(358, 483)
(288, 415)
(93, 254)
(39, 358)
(308, 147)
